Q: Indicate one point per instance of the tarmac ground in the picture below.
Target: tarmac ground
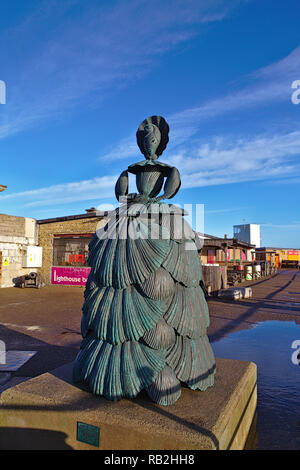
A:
(47, 320)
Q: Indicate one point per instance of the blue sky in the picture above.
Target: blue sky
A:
(81, 75)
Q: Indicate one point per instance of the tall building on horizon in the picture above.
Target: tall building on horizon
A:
(249, 233)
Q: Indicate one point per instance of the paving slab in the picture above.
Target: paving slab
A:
(14, 360)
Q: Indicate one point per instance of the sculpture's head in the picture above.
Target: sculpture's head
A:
(152, 137)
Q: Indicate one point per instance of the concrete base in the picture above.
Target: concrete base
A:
(43, 412)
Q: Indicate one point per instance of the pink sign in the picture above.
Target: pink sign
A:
(69, 276)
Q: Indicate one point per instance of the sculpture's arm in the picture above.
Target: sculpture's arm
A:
(172, 184)
(121, 187)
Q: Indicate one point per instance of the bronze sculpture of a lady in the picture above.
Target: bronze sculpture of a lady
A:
(145, 316)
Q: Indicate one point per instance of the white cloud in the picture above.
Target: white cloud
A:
(269, 85)
(96, 188)
(88, 58)
(289, 226)
(219, 161)
(225, 161)
(126, 148)
(221, 211)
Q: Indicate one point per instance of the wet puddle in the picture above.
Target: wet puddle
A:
(269, 345)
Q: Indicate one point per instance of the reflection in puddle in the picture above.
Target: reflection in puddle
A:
(268, 344)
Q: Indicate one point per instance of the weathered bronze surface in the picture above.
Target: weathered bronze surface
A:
(145, 316)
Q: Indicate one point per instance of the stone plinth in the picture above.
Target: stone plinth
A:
(43, 412)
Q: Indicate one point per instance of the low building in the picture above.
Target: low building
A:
(220, 258)
(225, 250)
(281, 257)
(65, 246)
(19, 253)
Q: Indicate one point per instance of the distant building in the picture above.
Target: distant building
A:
(221, 255)
(249, 233)
(225, 250)
(18, 248)
(282, 257)
(65, 243)
(57, 248)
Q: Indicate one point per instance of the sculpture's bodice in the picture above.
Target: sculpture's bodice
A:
(149, 181)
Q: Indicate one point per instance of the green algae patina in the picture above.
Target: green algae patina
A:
(145, 316)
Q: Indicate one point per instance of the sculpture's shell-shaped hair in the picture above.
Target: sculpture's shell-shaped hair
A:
(163, 126)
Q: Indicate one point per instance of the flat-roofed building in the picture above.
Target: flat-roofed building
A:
(18, 248)
(65, 243)
(249, 233)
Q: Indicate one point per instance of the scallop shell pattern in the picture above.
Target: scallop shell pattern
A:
(117, 371)
(121, 227)
(135, 209)
(121, 262)
(183, 263)
(177, 226)
(119, 315)
(159, 285)
(192, 361)
(162, 336)
(90, 284)
(187, 311)
(165, 389)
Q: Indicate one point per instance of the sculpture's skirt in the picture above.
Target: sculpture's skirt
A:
(145, 316)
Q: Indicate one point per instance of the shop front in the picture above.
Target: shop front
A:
(65, 242)
(70, 253)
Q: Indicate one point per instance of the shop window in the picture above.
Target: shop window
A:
(71, 251)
